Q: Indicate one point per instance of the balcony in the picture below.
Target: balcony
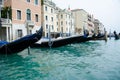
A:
(30, 23)
(5, 22)
(1, 3)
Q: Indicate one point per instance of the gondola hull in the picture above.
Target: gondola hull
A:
(61, 42)
(20, 44)
(102, 37)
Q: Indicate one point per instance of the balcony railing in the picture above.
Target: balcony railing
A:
(30, 23)
(1, 3)
(5, 21)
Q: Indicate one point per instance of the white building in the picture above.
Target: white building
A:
(59, 21)
(49, 18)
(5, 25)
(66, 22)
(99, 27)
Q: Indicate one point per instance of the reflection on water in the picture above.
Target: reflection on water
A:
(94, 60)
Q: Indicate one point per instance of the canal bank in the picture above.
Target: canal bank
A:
(93, 60)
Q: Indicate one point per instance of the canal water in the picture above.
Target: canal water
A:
(93, 60)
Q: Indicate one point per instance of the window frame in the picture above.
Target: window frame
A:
(36, 2)
(36, 18)
(28, 14)
(52, 19)
(46, 26)
(51, 10)
(28, 1)
(19, 33)
(46, 18)
(19, 16)
(46, 8)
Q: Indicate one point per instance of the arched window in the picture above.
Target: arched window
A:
(28, 13)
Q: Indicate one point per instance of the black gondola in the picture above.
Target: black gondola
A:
(101, 37)
(61, 42)
(20, 44)
(116, 35)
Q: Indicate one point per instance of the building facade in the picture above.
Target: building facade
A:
(90, 24)
(5, 25)
(80, 20)
(59, 22)
(66, 22)
(49, 18)
(26, 16)
(99, 27)
(83, 21)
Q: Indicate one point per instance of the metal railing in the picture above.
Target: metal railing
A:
(5, 21)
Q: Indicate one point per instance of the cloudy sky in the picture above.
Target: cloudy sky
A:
(107, 11)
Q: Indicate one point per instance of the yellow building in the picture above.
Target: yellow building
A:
(99, 27)
(83, 21)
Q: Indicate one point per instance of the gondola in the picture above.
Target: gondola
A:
(20, 44)
(61, 41)
(116, 35)
(101, 37)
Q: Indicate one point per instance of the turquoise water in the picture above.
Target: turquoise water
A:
(94, 60)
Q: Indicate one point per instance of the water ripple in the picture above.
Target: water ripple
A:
(94, 60)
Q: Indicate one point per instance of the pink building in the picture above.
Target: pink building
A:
(26, 17)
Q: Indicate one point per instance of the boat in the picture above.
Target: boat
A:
(60, 41)
(116, 35)
(20, 44)
(101, 37)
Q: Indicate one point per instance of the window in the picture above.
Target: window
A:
(47, 35)
(19, 31)
(51, 10)
(61, 16)
(61, 22)
(36, 17)
(57, 23)
(30, 31)
(36, 2)
(28, 13)
(45, 8)
(69, 23)
(57, 16)
(28, 0)
(52, 19)
(66, 22)
(1, 2)
(52, 27)
(46, 26)
(46, 17)
(18, 14)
